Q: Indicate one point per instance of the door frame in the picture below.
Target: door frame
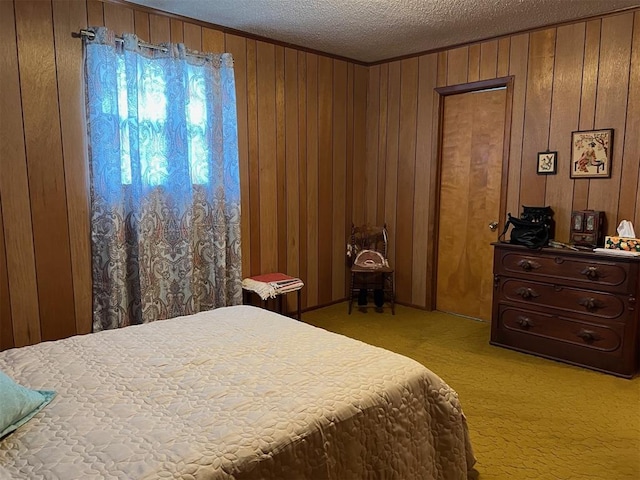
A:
(435, 178)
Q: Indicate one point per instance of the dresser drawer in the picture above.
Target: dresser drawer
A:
(571, 270)
(572, 301)
(609, 348)
(605, 338)
(584, 238)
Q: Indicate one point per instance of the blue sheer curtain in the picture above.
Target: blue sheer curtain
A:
(165, 189)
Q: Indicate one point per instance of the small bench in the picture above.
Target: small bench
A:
(272, 285)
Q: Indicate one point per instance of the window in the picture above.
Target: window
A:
(148, 114)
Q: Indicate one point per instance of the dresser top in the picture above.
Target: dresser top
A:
(585, 254)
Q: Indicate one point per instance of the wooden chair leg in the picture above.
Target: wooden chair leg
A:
(351, 293)
(280, 304)
(393, 296)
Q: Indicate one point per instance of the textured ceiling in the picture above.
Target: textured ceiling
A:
(374, 30)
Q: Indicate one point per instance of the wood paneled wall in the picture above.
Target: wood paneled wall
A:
(301, 122)
(579, 76)
(323, 142)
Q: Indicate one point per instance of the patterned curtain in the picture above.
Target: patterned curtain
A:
(165, 189)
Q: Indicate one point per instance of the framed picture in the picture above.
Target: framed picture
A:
(591, 153)
(547, 164)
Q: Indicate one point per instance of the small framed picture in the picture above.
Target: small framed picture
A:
(591, 153)
(547, 163)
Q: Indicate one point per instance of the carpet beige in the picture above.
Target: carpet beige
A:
(529, 418)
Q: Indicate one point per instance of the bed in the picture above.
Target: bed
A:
(233, 393)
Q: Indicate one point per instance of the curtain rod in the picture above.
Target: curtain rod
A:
(83, 33)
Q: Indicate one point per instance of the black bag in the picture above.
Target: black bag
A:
(540, 215)
(533, 229)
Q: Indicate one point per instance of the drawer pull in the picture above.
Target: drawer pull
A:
(591, 273)
(524, 322)
(528, 265)
(591, 304)
(588, 336)
(527, 293)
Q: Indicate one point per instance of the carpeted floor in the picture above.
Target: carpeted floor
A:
(529, 418)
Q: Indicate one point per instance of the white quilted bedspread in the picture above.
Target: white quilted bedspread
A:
(235, 393)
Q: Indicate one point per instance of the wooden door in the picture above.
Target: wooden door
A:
(471, 172)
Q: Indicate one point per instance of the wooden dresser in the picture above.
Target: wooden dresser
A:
(576, 307)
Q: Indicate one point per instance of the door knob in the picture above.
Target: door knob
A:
(493, 226)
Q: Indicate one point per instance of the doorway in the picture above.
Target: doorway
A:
(475, 124)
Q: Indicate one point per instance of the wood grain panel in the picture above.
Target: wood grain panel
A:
(267, 160)
(489, 60)
(536, 137)
(518, 68)
(339, 179)
(159, 29)
(238, 48)
(629, 207)
(95, 13)
(70, 16)
(312, 180)
(141, 24)
(193, 37)
(360, 141)
(213, 41)
(434, 192)
(564, 119)
(422, 239)
(253, 153)
(292, 178)
(504, 45)
(118, 18)
(38, 84)
(457, 66)
(613, 85)
(377, 175)
(390, 178)
(6, 323)
(588, 101)
(280, 161)
(349, 139)
(302, 169)
(325, 176)
(366, 168)
(406, 178)
(442, 68)
(474, 63)
(14, 190)
(177, 30)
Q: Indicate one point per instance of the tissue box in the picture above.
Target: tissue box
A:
(622, 243)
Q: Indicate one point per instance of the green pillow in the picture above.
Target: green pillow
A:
(18, 404)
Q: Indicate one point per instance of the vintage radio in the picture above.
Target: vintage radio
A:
(587, 228)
